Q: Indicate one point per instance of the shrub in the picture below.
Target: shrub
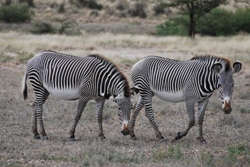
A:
(42, 28)
(138, 10)
(122, 5)
(175, 26)
(217, 23)
(15, 13)
(30, 3)
(61, 8)
(242, 20)
(91, 4)
(159, 9)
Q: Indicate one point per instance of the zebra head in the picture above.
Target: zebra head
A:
(226, 83)
(124, 106)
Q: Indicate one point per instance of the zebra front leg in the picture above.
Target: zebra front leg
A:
(99, 111)
(150, 116)
(191, 116)
(78, 114)
(138, 108)
(202, 105)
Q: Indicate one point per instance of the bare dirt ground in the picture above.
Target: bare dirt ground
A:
(228, 136)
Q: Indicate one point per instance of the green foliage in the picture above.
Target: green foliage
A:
(15, 13)
(217, 23)
(242, 20)
(176, 26)
(238, 150)
(238, 155)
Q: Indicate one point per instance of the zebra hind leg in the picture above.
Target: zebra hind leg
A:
(38, 112)
(34, 124)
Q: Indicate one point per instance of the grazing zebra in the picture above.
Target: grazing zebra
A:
(69, 78)
(176, 81)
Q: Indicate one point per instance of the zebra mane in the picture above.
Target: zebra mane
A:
(123, 77)
(214, 59)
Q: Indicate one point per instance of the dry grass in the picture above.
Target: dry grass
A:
(134, 46)
(227, 135)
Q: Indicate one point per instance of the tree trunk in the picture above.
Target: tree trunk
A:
(192, 25)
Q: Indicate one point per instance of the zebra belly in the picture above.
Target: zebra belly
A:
(64, 94)
(170, 96)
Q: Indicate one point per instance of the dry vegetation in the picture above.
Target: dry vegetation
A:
(228, 136)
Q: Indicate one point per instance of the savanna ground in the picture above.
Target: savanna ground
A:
(228, 136)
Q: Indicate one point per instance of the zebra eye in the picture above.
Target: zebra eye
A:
(232, 84)
(219, 85)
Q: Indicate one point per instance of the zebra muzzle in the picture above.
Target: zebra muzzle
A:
(125, 130)
(227, 107)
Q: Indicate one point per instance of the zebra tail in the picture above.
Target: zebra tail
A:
(24, 86)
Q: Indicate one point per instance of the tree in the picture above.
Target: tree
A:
(195, 9)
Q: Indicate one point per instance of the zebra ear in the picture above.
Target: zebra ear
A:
(237, 66)
(217, 68)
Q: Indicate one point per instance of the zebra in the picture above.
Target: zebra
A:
(70, 77)
(192, 81)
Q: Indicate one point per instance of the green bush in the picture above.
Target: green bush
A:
(176, 26)
(218, 22)
(15, 13)
(242, 20)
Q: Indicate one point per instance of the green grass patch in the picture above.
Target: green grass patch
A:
(166, 155)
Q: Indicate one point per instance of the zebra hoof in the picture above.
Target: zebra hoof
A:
(45, 138)
(37, 136)
(162, 139)
(202, 140)
(133, 137)
(102, 137)
(178, 136)
(72, 139)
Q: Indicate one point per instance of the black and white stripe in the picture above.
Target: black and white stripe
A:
(69, 77)
(192, 81)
